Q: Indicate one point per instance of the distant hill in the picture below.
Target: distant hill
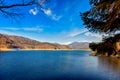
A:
(10, 42)
(79, 45)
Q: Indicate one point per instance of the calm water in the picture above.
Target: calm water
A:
(56, 65)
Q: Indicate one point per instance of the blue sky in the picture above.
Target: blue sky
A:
(58, 22)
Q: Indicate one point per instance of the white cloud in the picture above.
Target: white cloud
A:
(15, 29)
(55, 17)
(49, 13)
(76, 32)
(66, 43)
(33, 29)
(93, 34)
(33, 11)
(25, 29)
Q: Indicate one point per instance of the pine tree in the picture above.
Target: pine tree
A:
(104, 16)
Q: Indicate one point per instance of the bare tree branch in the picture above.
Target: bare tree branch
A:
(18, 5)
(13, 9)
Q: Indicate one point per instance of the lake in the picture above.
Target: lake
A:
(56, 65)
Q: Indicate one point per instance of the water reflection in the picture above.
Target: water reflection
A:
(110, 67)
(57, 65)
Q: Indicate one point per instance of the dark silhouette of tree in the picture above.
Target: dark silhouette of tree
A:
(107, 46)
(93, 46)
(11, 8)
(104, 16)
(116, 38)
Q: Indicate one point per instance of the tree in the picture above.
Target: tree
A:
(116, 38)
(93, 46)
(107, 46)
(12, 8)
(104, 16)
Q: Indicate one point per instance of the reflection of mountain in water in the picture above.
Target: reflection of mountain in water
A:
(110, 66)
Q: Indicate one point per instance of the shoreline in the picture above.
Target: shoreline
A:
(41, 49)
(114, 59)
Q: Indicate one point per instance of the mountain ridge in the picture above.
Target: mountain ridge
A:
(79, 45)
(12, 42)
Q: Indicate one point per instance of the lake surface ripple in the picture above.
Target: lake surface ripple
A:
(56, 65)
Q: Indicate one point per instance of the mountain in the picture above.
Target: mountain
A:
(12, 42)
(79, 45)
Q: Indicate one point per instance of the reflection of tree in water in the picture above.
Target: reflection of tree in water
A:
(110, 67)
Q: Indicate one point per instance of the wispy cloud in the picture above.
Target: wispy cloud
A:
(55, 17)
(12, 28)
(33, 29)
(33, 11)
(76, 32)
(49, 13)
(93, 35)
(25, 29)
